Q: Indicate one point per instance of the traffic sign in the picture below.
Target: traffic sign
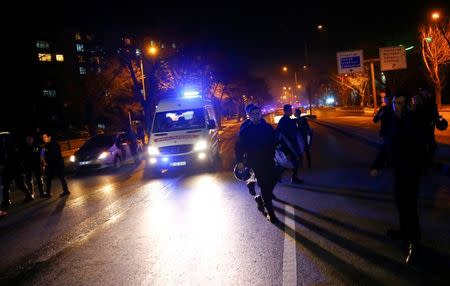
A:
(350, 61)
(392, 58)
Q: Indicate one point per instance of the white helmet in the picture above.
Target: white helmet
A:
(282, 160)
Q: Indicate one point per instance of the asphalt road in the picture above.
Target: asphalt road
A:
(126, 228)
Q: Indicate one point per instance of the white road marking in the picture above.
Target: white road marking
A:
(289, 251)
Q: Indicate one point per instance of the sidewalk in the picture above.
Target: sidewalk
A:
(363, 129)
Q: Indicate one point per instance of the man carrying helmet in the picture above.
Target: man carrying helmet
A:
(288, 132)
(256, 146)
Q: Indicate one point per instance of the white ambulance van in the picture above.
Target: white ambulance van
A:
(184, 134)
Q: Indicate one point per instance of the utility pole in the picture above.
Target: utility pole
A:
(372, 76)
(142, 78)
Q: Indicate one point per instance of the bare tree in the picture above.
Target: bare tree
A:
(435, 55)
(356, 83)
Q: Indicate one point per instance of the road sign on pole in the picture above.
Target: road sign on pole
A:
(392, 58)
(350, 61)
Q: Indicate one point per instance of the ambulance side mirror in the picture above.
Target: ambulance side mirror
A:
(211, 124)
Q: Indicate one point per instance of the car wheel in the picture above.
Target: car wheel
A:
(117, 162)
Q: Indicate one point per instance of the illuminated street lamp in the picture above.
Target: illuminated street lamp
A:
(285, 69)
(435, 17)
(153, 51)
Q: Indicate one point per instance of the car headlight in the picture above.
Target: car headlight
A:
(103, 155)
(72, 158)
(153, 150)
(200, 145)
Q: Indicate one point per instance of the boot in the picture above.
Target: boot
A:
(260, 203)
(272, 217)
(252, 188)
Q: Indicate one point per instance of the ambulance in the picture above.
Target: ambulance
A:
(184, 134)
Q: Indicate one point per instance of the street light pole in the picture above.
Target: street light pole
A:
(142, 78)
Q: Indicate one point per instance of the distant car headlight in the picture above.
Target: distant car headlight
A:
(153, 150)
(201, 145)
(72, 159)
(103, 155)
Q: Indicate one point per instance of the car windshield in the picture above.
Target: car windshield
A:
(99, 141)
(179, 120)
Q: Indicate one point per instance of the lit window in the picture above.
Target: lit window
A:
(127, 41)
(49, 93)
(78, 36)
(80, 48)
(174, 46)
(59, 58)
(42, 44)
(83, 70)
(45, 57)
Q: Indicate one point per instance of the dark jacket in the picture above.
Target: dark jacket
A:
(303, 128)
(287, 126)
(384, 116)
(31, 156)
(406, 142)
(256, 143)
(53, 156)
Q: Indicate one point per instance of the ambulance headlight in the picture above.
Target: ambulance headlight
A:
(201, 145)
(153, 150)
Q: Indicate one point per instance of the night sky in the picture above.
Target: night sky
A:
(262, 32)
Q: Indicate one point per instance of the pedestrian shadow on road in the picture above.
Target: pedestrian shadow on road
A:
(368, 195)
(353, 228)
(55, 216)
(347, 272)
(395, 267)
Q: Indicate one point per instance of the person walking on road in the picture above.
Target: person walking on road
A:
(305, 133)
(384, 116)
(13, 171)
(53, 164)
(256, 147)
(133, 145)
(252, 181)
(287, 130)
(32, 163)
(407, 153)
